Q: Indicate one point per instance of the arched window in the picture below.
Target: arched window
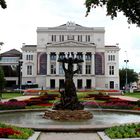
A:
(43, 64)
(99, 63)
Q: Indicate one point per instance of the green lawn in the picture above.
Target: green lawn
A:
(10, 95)
(136, 95)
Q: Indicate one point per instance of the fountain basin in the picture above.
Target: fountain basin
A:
(101, 120)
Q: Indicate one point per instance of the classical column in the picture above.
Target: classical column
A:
(93, 63)
(84, 63)
(57, 63)
(75, 65)
(48, 63)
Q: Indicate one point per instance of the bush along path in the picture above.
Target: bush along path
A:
(123, 131)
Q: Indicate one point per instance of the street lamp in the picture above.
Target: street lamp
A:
(126, 61)
(2, 84)
(20, 74)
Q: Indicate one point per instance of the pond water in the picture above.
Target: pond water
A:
(99, 118)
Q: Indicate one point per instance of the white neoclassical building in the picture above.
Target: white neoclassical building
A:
(100, 68)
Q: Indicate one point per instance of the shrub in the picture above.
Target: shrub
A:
(123, 131)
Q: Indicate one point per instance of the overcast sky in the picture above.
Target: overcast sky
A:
(18, 24)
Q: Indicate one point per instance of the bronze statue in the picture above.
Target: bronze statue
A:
(69, 98)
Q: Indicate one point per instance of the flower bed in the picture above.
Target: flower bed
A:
(123, 131)
(47, 104)
(43, 99)
(110, 105)
(13, 132)
(12, 105)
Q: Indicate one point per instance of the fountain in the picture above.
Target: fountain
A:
(69, 108)
(69, 111)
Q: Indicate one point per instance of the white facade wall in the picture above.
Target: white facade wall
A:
(96, 46)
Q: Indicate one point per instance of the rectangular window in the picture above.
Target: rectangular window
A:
(53, 69)
(87, 38)
(61, 83)
(61, 38)
(53, 38)
(80, 38)
(61, 71)
(88, 83)
(61, 55)
(80, 69)
(79, 83)
(29, 57)
(88, 56)
(53, 57)
(29, 70)
(111, 57)
(111, 84)
(79, 55)
(52, 83)
(88, 69)
(111, 70)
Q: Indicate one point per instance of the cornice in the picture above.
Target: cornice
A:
(70, 43)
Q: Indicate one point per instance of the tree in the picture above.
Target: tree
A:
(2, 81)
(130, 8)
(131, 77)
(3, 4)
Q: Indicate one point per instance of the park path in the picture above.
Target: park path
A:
(68, 136)
(20, 98)
(126, 97)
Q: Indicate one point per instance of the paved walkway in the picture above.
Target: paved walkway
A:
(20, 98)
(68, 136)
(126, 98)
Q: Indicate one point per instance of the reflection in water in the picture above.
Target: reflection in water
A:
(35, 118)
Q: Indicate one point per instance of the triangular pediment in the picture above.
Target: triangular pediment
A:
(71, 43)
(70, 26)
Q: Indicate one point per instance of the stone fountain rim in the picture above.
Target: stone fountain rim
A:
(68, 128)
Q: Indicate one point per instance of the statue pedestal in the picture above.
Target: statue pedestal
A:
(68, 115)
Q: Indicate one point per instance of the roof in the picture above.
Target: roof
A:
(28, 47)
(111, 46)
(12, 52)
(71, 26)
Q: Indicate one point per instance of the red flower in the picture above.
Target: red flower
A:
(5, 132)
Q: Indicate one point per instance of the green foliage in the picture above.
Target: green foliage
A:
(3, 4)
(10, 95)
(123, 131)
(131, 76)
(130, 8)
(82, 95)
(136, 95)
(35, 107)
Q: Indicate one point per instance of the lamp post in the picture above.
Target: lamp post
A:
(2, 76)
(20, 75)
(126, 80)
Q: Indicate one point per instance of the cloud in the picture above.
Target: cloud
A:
(22, 17)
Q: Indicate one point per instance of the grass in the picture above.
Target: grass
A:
(10, 95)
(136, 95)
